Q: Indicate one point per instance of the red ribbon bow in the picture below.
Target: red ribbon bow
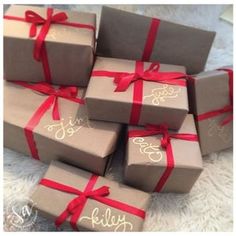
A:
(227, 108)
(75, 206)
(151, 130)
(40, 52)
(35, 20)
(69, 93)
(152, 74)
(53, 94)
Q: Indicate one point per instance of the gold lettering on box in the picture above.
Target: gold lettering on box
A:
(67, 128)
(107, 220)
(223, 132)
(162, 94)
(153, 152)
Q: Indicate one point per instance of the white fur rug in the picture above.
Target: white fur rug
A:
(209, 206)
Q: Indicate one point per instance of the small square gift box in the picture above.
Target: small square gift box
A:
(135, 37)
(51, 123)
(161, 160)
(50, 45)
(135, 92)
(211, 101)
(87, 202)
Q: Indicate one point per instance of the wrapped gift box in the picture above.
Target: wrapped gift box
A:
(163, 160)
(130, 36)
(66, 55)
(31, 126)
(142, 101)
(69, 195)
(211, 101)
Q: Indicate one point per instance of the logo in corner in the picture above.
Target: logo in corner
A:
(23, 214)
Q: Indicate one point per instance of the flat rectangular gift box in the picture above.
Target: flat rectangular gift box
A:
(141, 101)
(152, 167)
(30, 126)
(130, 36)
(66, 55)
(211, 101)
(71, 196)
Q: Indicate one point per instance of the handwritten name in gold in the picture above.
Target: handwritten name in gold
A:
(67, 129)
(107, 220)
(163, 93)
(153, 152)
(223, 132)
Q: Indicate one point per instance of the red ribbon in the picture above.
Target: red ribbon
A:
(52, 94)
(124, 79)
(75, 206)
(40, 52)
(226, 109)
(151, 37)
(151, 130)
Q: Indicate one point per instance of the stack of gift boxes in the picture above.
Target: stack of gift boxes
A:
(67, 97)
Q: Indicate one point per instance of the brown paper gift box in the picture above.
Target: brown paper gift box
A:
(73, 139)
(160, 102)
(209, 91)
(69, 49)
(95, 216)
(123, 35)
(146, 161)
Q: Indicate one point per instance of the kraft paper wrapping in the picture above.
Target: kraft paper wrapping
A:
(69, 49)
(74, 139)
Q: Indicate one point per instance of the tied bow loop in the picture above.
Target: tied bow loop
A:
(69, 93)
(152, 74)
(78, 202)
(35, 20)
(161, 129)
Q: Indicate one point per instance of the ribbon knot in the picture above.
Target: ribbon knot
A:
(123, 80)
(69, 93)
(35, 20)
(76, 203)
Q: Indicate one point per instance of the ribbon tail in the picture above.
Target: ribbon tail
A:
(55, 111)
(61, 218)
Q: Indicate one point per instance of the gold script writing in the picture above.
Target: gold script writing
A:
(152, 151)
(108, 220)
(67, 129)
(163, 93)
(222, 132)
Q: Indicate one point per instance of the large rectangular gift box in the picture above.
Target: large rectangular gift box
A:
(161, 160)
(51, 123)
(45, 44)
(130, 36)
(211, 101)
(86, 202)
(135, 92)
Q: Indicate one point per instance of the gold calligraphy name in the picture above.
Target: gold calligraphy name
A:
(222, 132)
(108, 220)
(163, 93)
(152, 151)
(67, 129)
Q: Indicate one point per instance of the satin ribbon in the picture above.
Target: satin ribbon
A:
(40, 52)
(151, 38)
(226, 109)
(76, 205)
(151, 130)
(52, 94)
(123, 80)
